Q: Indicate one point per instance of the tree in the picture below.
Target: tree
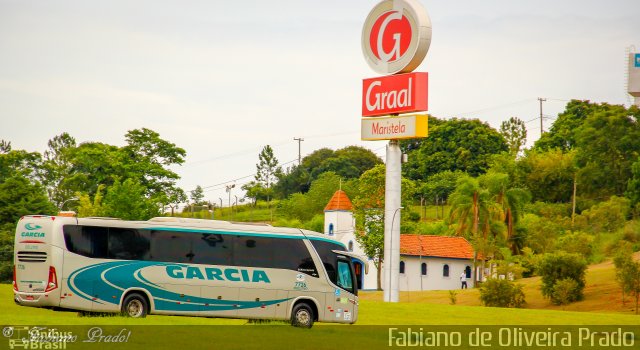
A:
(562, 134)
(19, 197)
(622, 257)
(18, 162)
(57, 168)
(369, 211)
(253, 190)
(633, 185)
(605, 139)
(147, 159)
(455, 144)
(608, 146)
(95, 164)
(267, 170)
(127, 200)
(511, 201)
(371, 239)
(348, 163)
(549, 175)
(197, 195)
(439, 186)
(88, 207)
(515, 134)
(477, 216)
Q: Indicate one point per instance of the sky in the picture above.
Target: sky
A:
(222, 79)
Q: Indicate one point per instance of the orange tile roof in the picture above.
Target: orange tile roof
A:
(437, 246)
(339, 201)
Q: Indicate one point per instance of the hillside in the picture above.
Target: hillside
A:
(602, 294)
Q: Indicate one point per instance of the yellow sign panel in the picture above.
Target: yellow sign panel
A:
(395, 128)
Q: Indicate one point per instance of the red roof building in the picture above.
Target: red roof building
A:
(435, 246)
(339, 201)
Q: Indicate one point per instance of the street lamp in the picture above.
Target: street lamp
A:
(228, 189)
(68, 200)
(391, 249)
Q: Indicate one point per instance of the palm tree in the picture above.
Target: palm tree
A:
(477, 216)
(511, 201)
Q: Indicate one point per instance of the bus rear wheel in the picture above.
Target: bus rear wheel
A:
(302, 316)
(135, 305)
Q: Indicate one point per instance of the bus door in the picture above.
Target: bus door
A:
(343, 304)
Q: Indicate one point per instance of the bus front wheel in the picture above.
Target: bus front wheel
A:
(302, 316)
(135, 305)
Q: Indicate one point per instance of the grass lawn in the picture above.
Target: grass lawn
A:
(424, 308)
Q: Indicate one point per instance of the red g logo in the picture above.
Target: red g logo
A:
(390, 36)
(396, 36)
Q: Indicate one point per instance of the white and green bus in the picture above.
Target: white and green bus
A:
(176, 266)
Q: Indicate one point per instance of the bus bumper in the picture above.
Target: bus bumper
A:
(34, 299)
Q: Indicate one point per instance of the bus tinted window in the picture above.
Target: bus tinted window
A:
(171, 246)
(293, 254)
(128, 244)
(253, 251)
(212, 249)
(329, 258)
(89, 241)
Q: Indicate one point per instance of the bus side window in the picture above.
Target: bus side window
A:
(89, 241)
(212, 249)
(128, 244)
(171, 246)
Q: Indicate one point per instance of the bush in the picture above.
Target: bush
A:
(501, 293)
(540, 232)
(565, 291)
(315, 224)
(414, 216)
(631, 231)
(559, 266)
(608, 216)
(577, 242)
(549, 210)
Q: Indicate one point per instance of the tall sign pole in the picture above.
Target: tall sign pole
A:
(395, 39)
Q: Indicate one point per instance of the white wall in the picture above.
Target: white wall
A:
(412, 279)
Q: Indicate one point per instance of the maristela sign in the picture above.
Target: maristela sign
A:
(388, 128)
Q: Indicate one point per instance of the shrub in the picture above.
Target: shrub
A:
(631, 231)
(413, 216)
(565, 291)
(559, 266)
(540, 232)
(453, 297)
(608, 216)
(501, 293)
(315, 224)
(577, 242)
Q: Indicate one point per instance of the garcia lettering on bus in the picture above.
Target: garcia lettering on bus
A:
(214, 273)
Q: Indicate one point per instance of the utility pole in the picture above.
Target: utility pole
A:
(299, 139)
(541, 100)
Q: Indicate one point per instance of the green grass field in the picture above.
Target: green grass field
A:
(372, 312)
(370, 332)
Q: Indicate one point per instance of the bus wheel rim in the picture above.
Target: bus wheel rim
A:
(303, 317)
(134, 308)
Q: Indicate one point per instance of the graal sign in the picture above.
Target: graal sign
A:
(390, 94)
(396, 36)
